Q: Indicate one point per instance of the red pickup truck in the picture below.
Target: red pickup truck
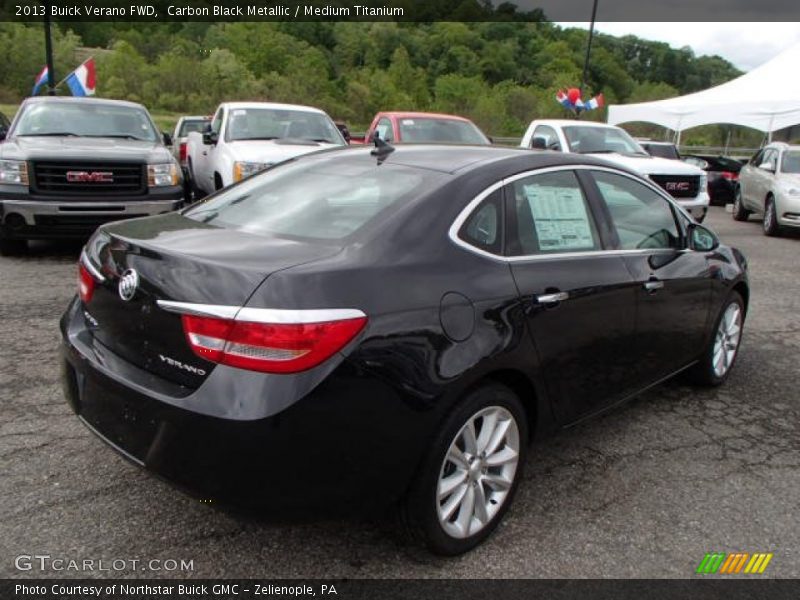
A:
(425, 128)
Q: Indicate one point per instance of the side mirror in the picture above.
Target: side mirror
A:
(702, 239)
(375, 135)
(167, 138)
(539, 143)
(210, 138)
(767, 167)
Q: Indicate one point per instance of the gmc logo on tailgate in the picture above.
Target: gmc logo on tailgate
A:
(677, 186)
(90, 177)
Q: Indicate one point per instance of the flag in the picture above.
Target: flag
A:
(81, 81)
(41, 79)
(596, 102)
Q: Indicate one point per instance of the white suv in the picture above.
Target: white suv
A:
(684, 182)
(770, 185)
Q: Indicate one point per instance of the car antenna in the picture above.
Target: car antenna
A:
(382, 148)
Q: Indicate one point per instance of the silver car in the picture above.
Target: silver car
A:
(769, 185)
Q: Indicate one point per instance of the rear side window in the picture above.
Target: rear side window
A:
(188, 127)
(483, 228)
(550, 214)
(642, 217)
(322, 199)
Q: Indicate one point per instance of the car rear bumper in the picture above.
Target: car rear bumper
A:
(345, 445)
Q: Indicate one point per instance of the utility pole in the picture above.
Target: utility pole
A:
(48, 50)
(588, 47)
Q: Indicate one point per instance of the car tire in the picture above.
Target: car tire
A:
(12, 247)
(467, 481)
(720, 355)
(771, 226)
(196, 192)
(740, 213)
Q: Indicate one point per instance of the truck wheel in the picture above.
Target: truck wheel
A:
(12, 247)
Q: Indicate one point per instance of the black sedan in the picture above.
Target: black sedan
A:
(372, 328)
(723, 176)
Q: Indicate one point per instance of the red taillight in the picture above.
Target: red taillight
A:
(85, 284)
(182, 151)
(268, 347)
(729, 175)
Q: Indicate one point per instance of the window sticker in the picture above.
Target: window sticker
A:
(560, 217)
(408, 121)
(238, 112)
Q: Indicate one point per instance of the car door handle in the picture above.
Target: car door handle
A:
(553, 298)
(653, 286)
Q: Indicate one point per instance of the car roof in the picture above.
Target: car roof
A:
(273, 105)
(573, 122)
(79, 99)
(422, 115)
(460, 158)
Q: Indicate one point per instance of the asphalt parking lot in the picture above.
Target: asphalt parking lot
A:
(644, 491)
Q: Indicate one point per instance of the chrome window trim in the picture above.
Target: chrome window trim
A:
(467, 211)
(261, 315)
(95, 272)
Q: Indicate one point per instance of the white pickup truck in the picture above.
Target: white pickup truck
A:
(246, 137)
(684, 182)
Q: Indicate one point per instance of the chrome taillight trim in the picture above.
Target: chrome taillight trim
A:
(94, 271)
(262, 315)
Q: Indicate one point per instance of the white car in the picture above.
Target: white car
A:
(686, 183)
(246, 137)
(769, 184)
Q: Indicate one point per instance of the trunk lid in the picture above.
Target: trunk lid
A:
(183, 260)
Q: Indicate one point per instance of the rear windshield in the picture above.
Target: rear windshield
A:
(190, 125)
(440, 131)
(315, 198)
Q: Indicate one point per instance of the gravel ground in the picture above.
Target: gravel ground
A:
(644, 491)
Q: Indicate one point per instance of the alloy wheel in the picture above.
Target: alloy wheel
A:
(478, 472)
(727, 339)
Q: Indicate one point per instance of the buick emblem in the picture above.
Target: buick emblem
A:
(128, 284)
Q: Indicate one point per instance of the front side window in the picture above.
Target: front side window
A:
(770, 159)
(549, 137)
(86, 119)
(642, 217)
(216, 124)
(384, 130)
(550, 214)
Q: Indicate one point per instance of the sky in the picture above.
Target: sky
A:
(746, 45)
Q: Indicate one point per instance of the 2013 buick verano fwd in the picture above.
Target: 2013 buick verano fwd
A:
(357, 330)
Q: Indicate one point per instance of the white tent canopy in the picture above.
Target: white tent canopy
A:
(767, 98)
